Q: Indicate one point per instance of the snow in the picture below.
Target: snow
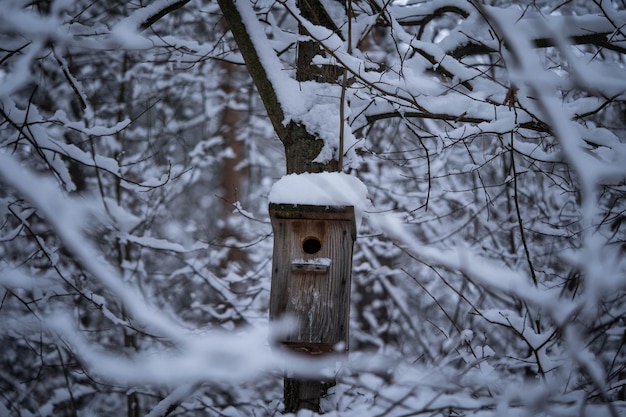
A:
(458, 241)
(126, 30)
(17, 78)
(313, 261)
(161, 244)
(17, 278)
(68, 217)
(284, 86)
(322, 189)
(318, 110)
(311, 104)
(61, 116)
(204, 356)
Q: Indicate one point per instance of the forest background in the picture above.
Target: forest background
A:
(136, 159)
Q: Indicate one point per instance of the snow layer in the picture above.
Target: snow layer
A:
(322, 189)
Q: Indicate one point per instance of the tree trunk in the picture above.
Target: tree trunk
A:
(301, 146)
(302, 394)
(301, 149)
(233, 172)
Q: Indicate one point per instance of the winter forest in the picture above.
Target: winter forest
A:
(139, 144)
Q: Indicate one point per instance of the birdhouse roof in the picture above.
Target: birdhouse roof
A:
(325, 189)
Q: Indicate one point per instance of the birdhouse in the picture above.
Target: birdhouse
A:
(311, 273)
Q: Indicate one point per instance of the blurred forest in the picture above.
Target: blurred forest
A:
(136, 158)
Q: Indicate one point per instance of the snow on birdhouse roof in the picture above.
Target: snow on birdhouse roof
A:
(321, 189)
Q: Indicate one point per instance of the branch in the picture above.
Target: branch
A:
(519, 216)
(301, 146)
(167, 405)
(150, 20)
(243, 38)
(597, 39)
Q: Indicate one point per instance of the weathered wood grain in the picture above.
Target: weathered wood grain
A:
(313, 288)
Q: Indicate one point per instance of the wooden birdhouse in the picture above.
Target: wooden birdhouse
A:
(311, 273)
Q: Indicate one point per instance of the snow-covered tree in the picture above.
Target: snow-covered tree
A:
(489, 272)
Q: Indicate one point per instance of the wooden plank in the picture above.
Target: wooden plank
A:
(319, 300)
(314, 267)
(311, 349)
(310, 212)
(311, 277)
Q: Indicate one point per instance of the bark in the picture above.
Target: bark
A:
(161, 13)
(314, 11)
(253, 64)
(301, 146)
(302, 395)
(233, 170)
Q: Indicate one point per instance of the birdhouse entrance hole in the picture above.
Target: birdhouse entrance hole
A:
(311, 245)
